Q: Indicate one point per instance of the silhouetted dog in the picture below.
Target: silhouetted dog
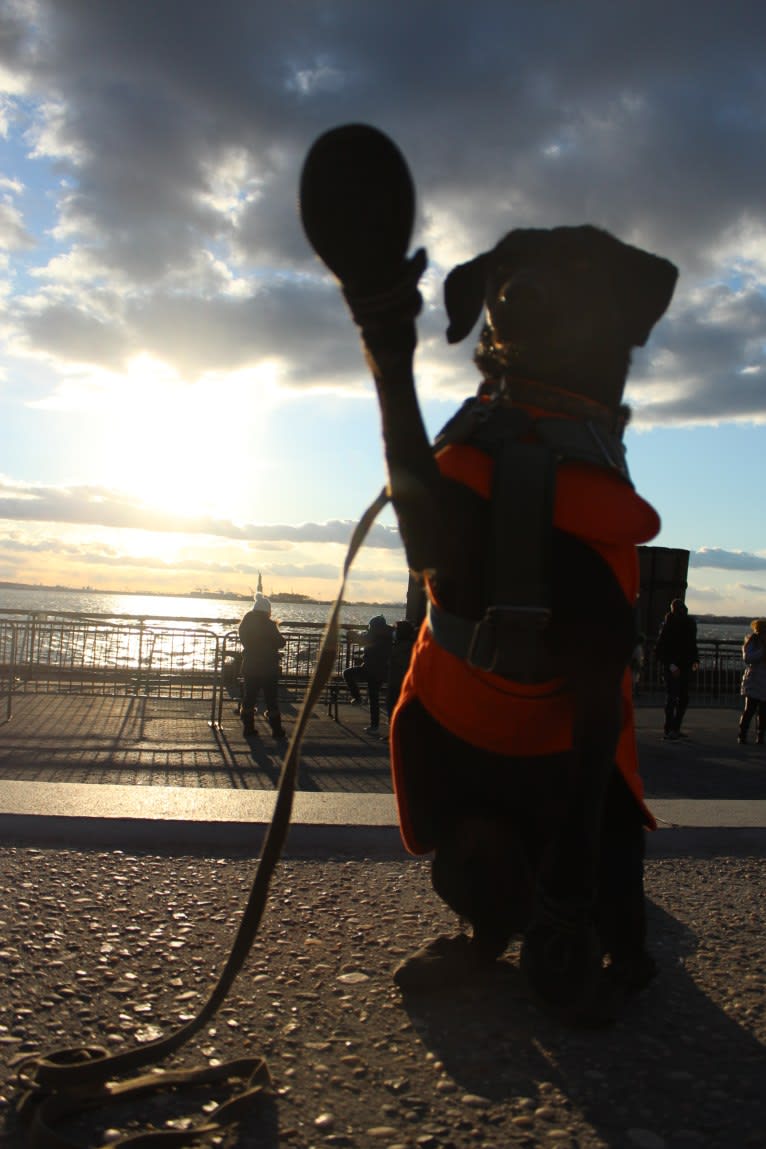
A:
(512, 743)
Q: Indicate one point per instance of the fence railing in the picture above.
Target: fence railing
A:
(7, 669)
(167, 658)
(153, 657)
(715, 683)
(298, 658)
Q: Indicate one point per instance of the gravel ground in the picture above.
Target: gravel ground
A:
(114, 948)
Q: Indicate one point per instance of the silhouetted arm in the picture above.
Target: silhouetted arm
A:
(413, 475)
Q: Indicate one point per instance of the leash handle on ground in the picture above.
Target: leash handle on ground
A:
(68, 1081)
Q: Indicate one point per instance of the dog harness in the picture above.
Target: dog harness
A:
(486, 681)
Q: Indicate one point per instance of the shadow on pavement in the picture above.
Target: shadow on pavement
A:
(674, 1060)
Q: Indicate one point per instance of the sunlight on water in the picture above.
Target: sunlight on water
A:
(175, 606)
(220, 611)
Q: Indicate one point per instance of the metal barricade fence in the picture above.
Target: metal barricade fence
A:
(85, 655)
(298, 659)
(7, 668)
(152, 657)
(88, 654)
(716, 682)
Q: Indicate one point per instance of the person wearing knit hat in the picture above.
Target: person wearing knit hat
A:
(261, 641)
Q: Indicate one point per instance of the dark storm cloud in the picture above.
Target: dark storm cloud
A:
(198, 335)
(182, 126)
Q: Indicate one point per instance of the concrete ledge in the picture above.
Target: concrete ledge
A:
(723, 813)
(707, 842)
(189, 803)
(323, 824)
(707, 827)
(160, 817)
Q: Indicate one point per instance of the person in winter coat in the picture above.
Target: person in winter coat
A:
(376, 642)
(754, 681)
(262, 642)
(677, 651)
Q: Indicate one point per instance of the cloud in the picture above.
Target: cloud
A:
(178, 144)
(13, 234)
(97, 506)
(77, 559)
(727, 560)
(708, 360)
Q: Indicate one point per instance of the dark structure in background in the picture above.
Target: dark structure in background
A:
(663, 578)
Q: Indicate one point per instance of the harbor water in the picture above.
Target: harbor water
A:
(218, 611)
(223, 612)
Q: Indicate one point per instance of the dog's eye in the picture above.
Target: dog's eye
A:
(505, 291)
(522, 291)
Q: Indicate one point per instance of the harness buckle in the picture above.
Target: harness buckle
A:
(507, 642)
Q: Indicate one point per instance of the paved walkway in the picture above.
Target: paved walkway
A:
(82, 769)
(353, 1063)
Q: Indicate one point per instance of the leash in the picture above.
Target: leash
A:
(65, 1082)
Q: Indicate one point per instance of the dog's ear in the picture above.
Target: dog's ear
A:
(464, 296)
(645, 285)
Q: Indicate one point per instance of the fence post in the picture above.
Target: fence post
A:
(11, 673)
(716, 669)
(216, 705)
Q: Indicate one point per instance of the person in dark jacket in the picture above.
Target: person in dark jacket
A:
(754, 681)
(376, 643)
(262, 642)
(677, 651)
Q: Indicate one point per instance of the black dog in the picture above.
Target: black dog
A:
(512, 744)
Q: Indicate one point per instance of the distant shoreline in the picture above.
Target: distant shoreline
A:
(224, 596)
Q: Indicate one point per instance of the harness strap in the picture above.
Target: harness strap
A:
(526, 450)
(586, 441)
(523, 490)
(507, 639)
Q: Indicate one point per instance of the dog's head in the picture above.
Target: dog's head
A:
(563, 307)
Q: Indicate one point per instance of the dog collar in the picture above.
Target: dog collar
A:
(529, 393)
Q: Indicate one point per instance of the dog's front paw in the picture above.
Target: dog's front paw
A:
(441, 963)
(561, 960)
(619, 982)
(357, 203)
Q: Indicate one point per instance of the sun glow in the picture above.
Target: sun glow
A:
(188, 449)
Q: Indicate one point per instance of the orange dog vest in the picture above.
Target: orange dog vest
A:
(493, 712)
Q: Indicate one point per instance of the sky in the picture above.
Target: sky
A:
(183, 399)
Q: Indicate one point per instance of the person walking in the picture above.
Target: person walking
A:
(753, 687)
(376, 643)
(262, 642)
(677, 650)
